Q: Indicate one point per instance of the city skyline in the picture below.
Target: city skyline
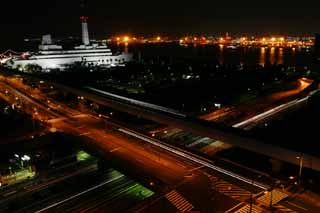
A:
(159, 106)
(32, 19)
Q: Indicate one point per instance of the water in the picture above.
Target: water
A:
(295, 57)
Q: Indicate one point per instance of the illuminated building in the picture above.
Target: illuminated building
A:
(51, 56)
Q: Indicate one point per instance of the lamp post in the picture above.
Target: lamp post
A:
(300, 158)
(24, 158)
(104, 118)
(251, 195)
(270, 206)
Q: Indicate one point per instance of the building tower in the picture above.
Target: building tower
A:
(85, 33)
(84, 23)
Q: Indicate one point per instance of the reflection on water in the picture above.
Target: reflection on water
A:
(227, 55)
(262, 57)
(272, 57)
(280, 56)
(221, 53)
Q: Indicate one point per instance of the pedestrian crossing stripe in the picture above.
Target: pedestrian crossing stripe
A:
(276, 195)
(229, 189)
(178, 201)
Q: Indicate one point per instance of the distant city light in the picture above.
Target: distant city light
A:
(126, 39)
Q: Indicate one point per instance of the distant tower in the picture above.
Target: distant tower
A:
(84, 23)
(85, 33)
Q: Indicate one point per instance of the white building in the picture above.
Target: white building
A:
(51, 56)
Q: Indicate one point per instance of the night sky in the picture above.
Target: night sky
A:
(20, 19)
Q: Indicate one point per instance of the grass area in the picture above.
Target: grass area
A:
(19, 176)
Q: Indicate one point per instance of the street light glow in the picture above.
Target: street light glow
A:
(25, 158)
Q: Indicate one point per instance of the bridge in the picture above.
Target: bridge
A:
(170, 117)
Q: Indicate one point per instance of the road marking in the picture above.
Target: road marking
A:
(283, 208)
(197, 168)
(178, 201)
(79, 194)
(277, 196)
(116, 149)
(296, 205)
(192, 157)
(236, 206)
(9, 193)
(229, 189)
(86, 133)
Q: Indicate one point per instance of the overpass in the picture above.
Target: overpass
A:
(229, 135)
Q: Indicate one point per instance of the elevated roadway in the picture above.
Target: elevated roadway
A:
(230, 135)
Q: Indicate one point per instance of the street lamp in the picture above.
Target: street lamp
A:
(251, 195)
(24, 158)
(33, 120)
(300, 158)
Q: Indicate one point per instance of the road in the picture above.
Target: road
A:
(206, 129)
(253, 121)
(170, 117)
(194, 125)
(140, 158)
(157, 162)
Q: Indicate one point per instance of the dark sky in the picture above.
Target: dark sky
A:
(25, 18)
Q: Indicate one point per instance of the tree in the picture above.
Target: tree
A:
(32, 68)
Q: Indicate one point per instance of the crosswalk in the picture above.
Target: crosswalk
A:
(246, 209)
(276, 197)
(178, 201)
(229, 189)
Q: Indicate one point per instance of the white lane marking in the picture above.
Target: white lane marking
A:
(79, 194)
(139, 103)
(194, 159)
(271, 111)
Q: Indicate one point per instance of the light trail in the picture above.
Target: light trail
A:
(79, 194)
(270, 112)
(138, 103)
(194, 159)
